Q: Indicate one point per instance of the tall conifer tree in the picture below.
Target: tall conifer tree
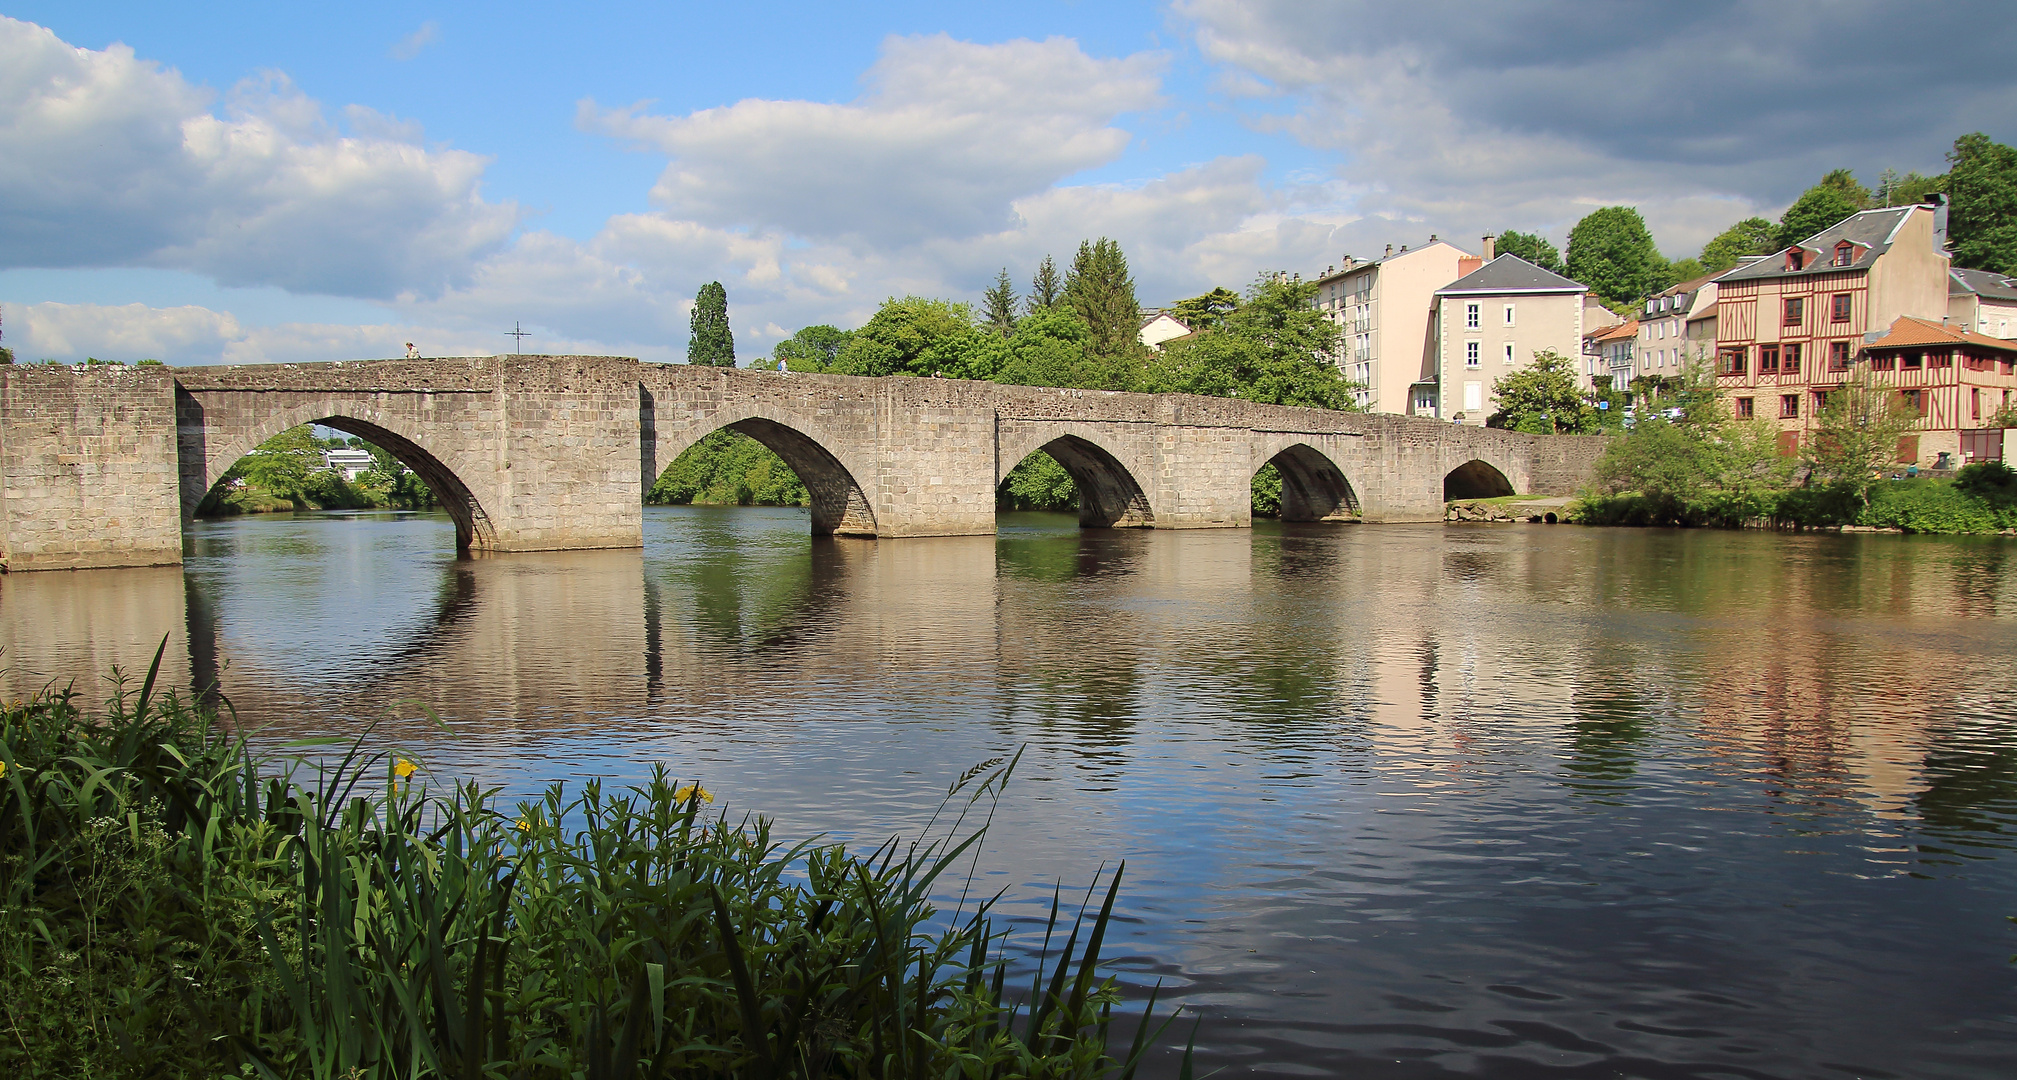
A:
(1001, 305)
(710, 344)
(1046, 288)
(1101, 290)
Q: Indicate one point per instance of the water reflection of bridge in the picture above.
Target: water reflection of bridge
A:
(1079, 634)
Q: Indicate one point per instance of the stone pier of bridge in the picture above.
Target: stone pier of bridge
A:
(104, 466)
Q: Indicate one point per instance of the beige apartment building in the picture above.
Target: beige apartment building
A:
(1677, 328)
(1383, 306)
(1490, 323)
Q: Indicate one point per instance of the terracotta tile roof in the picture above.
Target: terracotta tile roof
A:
(1627, 329)
(1911, 331)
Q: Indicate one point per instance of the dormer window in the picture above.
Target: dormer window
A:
(1796, 259)
(1845, 253)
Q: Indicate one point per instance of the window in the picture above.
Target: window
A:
(1744, 410)
(1915, 399)
(1845, 253)
(1796, 310)
(1883, 361)
(1940, 359)
(1789, 406)
(1820, 400)
(1509, 352)
(1509, 314)
(1975, 403)
(1768, 358)
(1470, 354)
(1796, 259)
(1730, 361)
(1660, 329)
(1913, 361)
(1838, 308)
(1471, 316)
(1838, 356)
(1789, 360)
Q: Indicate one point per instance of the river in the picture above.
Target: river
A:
(1395, 801)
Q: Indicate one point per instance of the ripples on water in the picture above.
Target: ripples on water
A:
(1406, 801)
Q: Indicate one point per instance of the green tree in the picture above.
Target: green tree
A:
(1101, 290)
(1612, 252)
(1001, 306)
(1275, 349)
(815, 348)
(281, 465)
(1541, 398)
(1037, 482)
(923, 337)
(1982, 189)
(1046, 288)
(1751, 236)
(728, 468)
(1906, 190)
(1856, 434)
(1206, 312)
(1533, 248)
(710, 344)
(1054, 348)
(1820, 207)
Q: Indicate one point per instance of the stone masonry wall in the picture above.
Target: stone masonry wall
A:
(87, 467)
(546, 452)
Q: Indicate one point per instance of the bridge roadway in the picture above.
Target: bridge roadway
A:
(103, 466)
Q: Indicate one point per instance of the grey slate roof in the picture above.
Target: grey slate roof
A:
(1870, 230)
(1511, 274)
(1981, 283)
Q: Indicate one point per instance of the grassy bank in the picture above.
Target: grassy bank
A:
(175, 907)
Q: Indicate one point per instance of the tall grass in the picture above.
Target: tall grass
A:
(174, 906)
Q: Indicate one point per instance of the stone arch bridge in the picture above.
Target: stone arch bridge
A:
(103, 466)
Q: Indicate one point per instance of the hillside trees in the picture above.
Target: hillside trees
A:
(1535, 249)
(1982, 191)
(1751, 236)
(1275, 348)
(1099, 287)
(1612, 252)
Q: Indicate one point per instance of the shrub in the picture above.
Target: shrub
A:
(1928, 506)
(1991, 481)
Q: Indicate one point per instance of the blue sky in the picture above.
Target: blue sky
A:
(244, 183)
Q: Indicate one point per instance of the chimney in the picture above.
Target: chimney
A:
(1491, 248)
(1432, 238)
(1939, 222)
(1390, 251)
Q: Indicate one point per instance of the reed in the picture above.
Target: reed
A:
(175, 906)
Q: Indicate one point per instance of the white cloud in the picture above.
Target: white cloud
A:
(408, 47)
(108, 160)
(947, 136)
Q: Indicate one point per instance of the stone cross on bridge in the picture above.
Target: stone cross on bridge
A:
(103, 466)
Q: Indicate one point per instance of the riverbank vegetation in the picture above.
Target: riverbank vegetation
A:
(176, 907)
(286, 472)
(1687, 462)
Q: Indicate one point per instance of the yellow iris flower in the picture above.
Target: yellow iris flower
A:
(693, 791)
(404, 768)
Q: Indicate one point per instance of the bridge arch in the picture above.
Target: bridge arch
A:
(1314, 486)
(1110, 494)
(442, 473)
(840, 506)
(1476, 479)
